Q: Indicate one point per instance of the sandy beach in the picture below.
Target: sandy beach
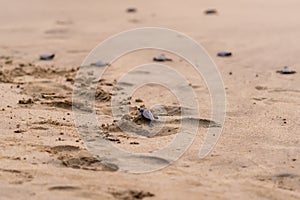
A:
(42, 154)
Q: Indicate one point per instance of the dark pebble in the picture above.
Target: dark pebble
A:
(210, 11)
(131, 10)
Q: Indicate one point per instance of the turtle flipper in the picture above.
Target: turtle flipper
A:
(150, 123)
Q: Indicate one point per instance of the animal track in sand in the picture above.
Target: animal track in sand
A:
(286, 181)
(12, 176)
(131, 194)
(62, 148)
(87, 163)
(273, 97)
(69, 156)
(52, 122)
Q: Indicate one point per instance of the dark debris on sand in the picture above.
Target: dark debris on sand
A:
(131, 194)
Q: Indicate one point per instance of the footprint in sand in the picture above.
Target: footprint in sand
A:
(286, 181)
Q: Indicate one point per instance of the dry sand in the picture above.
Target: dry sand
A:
(42, 155)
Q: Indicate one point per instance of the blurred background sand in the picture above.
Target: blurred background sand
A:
(258, 154)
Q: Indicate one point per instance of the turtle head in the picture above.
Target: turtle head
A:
(141, 110)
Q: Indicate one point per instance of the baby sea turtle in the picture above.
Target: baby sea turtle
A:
(224, 54)
(161, 58)
(286, 70)
(147, 114)
(47, 56)
(100, 63)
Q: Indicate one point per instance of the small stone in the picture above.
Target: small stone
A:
(131, 10)
(69, 79)
(210, 11)
(19, 131)
(28, 101)
(134, 143)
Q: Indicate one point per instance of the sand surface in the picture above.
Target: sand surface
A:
(42, 155)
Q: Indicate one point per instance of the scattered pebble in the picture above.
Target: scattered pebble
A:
(261, 87)
(69, 79)
(113, 139)
(134, 143)
(138, 100)
(210, 11)
(28, 101)
(19, 131)
(109, 84)
(131, 10)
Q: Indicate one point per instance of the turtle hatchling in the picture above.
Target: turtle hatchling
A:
(286, 70)
(47, 56)
(161, 58)
(100, 63)
(147, 114)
